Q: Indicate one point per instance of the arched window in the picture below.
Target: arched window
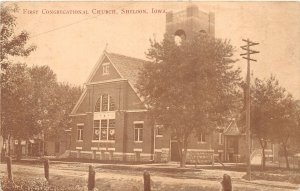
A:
(105, 103)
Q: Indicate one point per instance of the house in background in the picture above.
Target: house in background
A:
(58, 145)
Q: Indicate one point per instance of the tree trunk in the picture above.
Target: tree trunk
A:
(183, 159)
(184, 153)
(263, 145)
(180, 146)
(8, 146)
(19, 150)
(286, 155)
(263, 161)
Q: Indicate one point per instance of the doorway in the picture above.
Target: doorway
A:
(175, 156)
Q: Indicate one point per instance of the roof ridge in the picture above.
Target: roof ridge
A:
(130, 57)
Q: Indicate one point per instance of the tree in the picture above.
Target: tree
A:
(12, 44)
(65, 98)
(273, 114)
(286, 124)
(17, 103)
(188, 87)
(44, 83)
(35, 103)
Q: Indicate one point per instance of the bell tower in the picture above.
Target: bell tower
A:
(188, 22)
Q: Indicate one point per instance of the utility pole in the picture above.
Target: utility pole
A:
(248, 131)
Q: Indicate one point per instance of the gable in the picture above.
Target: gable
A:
(100, 75)
(232, 129)
(120, 68)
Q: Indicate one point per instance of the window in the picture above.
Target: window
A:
(105, 103)
(138, 132)
(97, 106)
(220, 139)
(104, 129)
(96, 135)
(80, 132)
(107, 129)
(105, 68)
(159, 130)
(202, 138)
(111, 129)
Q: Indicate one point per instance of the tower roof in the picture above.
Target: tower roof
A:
(232, 129)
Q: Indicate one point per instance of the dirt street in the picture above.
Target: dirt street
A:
(130, 178)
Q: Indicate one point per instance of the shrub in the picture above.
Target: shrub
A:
(38, 184)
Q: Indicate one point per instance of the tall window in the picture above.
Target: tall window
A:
(96, 135)
(79, 132)
(159, 130)
(202, 138)
(111, 129)
(138, 132)
(104, 129)
(105, 103)
(105, 68)
(107, 129)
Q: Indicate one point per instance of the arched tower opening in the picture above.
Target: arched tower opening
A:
(179, 36)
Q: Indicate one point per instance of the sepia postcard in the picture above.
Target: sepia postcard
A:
(141, 96)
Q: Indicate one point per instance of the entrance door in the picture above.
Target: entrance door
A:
(174, 151)
(232, 148)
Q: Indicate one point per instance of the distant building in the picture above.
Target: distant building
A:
(111, 122)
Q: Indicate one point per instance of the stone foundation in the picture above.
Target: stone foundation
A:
(85, 155)
(73, 154)
(165, 155)
(199, 156)
(111, 155)
(195, 156)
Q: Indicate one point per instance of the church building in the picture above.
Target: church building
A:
(111, 122)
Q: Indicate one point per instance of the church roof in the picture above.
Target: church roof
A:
(128, 67)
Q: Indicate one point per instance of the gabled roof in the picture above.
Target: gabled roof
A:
(127, 67)
(232, 129)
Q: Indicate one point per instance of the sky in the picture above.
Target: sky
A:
(71, 44)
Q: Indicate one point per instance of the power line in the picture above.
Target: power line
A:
(65, 26)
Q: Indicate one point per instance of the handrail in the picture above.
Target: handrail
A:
(255, 152)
